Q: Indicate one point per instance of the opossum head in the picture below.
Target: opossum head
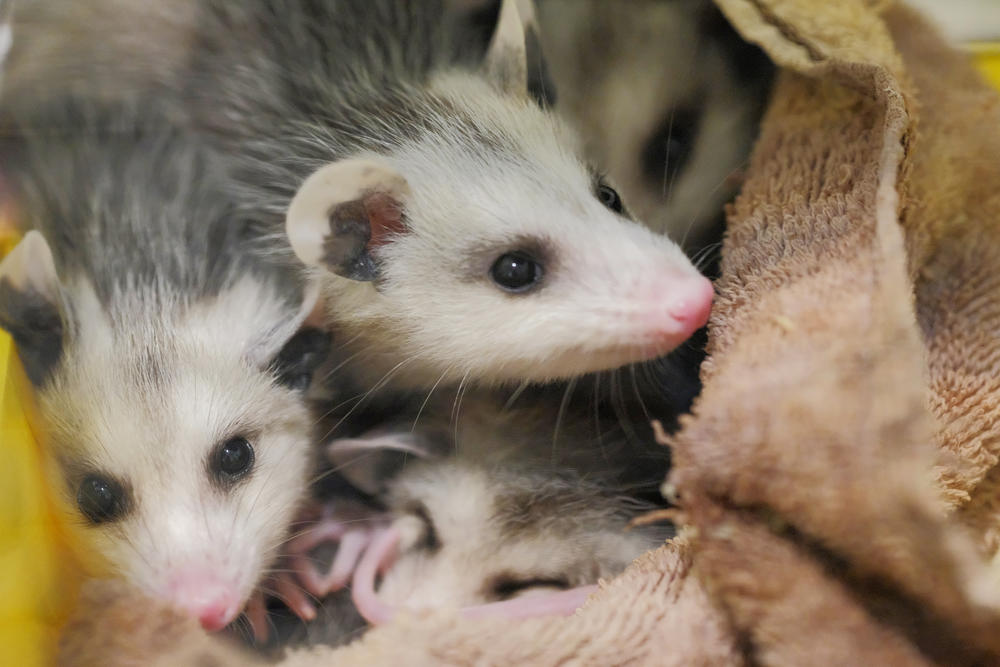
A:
(492, 251)
(177, 429)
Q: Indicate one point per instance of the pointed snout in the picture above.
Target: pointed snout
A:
(680, 307)
(692, 304)
(214, 602)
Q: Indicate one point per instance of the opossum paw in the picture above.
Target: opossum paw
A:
(352, 538)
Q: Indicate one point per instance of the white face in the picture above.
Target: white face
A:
(466, 540)
(591, 289)
(184, 461)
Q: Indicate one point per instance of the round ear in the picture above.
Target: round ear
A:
(372, 459)
(343, 213)
(30, 305)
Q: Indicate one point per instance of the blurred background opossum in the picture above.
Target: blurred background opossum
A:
(668, 99)
(164, 356)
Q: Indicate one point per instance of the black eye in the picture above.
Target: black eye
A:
(100, 499)
(233, 460)
(430, 540)
(610, 198)
(669, 147)
(516, 272)
(505, 588)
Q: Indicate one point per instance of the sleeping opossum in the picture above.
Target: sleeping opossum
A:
(165, 358)
(456, 230)
(667, 98)
(471, 534)
(459, 458)
(462, 534)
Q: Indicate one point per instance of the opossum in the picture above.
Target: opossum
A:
(460, 533)
(469, 535)
(668, 99)
(165, 358)
(455, 228)
(479, 445)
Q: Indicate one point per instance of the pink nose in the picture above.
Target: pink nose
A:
(215, 616)
(213, 603)
(693, 304)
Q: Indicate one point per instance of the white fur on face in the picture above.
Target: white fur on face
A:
(146, 401)
(472, 200)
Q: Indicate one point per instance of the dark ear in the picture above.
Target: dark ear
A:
(300, 357)
(372, 459)
(265, 347)
(30, 307)
(540, 85)
(482, 18)
(343, 213)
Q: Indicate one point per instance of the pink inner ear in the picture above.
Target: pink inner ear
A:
(385, 218)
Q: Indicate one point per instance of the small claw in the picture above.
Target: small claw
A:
(256, 613)
(352, 542)
(294, 597)
(349, 553)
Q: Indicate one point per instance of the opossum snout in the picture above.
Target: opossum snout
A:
(213, 602)
(685, 306)
(693, 303)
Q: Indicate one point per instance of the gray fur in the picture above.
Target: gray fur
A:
(290, 85)
(123, 200)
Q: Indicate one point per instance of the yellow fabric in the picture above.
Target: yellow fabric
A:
(36, 585)
(987, 56)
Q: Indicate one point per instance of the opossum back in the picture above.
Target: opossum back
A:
(130, 201)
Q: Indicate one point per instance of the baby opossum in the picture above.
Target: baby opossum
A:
(477, 439)
(164, 356)
(460, 233)
(668, 99)
(469, 535)
(456, 230)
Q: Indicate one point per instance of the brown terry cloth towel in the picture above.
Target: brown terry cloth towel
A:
(840, 469)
